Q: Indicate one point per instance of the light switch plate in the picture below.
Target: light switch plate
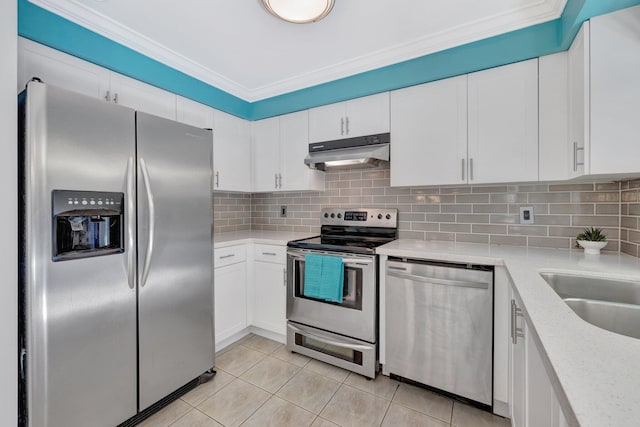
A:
(526, 215)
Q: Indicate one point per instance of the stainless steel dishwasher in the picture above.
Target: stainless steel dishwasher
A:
(439, 326)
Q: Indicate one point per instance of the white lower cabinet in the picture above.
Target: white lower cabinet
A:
(270, 288)
(230, 292)
(533, 401)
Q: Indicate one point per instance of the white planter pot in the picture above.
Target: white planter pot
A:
(592, 248)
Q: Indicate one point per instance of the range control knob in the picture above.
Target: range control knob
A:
(339, 215)
(379, 216)
(333, 215)
(326, 215)
(388, 216)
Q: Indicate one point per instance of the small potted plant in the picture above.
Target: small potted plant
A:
(592, 240)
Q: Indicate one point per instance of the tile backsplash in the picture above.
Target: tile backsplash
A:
(472, 213)
(630, 217)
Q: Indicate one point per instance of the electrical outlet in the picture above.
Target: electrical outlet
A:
(283, 211)
(526, 215)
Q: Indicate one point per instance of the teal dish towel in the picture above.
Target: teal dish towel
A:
(323, 277)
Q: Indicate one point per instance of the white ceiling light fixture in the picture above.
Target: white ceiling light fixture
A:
(299, 11)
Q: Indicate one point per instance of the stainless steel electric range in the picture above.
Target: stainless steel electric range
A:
(344, 334)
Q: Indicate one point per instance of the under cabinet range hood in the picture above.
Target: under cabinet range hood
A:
(360, 152)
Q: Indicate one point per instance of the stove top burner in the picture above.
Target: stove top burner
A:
(352, 230)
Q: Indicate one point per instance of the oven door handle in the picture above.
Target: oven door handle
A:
(346, 261)
(329, 341)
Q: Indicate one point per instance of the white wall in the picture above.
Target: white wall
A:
(8, 213)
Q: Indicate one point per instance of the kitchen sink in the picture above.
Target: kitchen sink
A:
(611, 304)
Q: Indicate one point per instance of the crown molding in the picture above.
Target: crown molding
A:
(74, 11)
(86, 17)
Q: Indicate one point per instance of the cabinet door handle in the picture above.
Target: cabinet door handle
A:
(269, 253)
(462, 169)
(341, 125)
(227, 256)
(347, 124)
(280, 181)
(284, 275)
(471, 169)
(217, 179)
(115, 98)
(276, 185)
(107, 96)
(575, 156)
(515, 331)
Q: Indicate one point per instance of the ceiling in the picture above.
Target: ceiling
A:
(236, 46)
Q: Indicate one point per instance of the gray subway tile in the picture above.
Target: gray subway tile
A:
(549, 197)
(456, 208)
(425, 226)
(552, 219)
(595, 221)
(607, 209)
(472, 218)
(419, 235)
(508, 240)
(634, 209)
(434, 217)
(472, 238)
(508, 198)
(489, 189)
(527, 230)
(629, 249)
(527, 188)
(472, 198)
(607, 186)
(455, 190)
(490, 208)
(425, 208)
(575, 208)
(456, 228)
(433, 235)
(571, 187)
(629, 222)
(505, 219)
(489, 229)
(362, 183)
(629, 196)
(549, 242)
(595, 197)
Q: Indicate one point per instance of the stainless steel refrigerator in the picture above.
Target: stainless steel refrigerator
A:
(116, 289)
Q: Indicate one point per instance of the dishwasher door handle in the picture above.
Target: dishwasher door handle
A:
(435, 281)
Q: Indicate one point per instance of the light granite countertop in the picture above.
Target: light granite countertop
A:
(597, 372)
(280, 238)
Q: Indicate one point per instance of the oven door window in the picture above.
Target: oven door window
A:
(352, 289)
(350, 355)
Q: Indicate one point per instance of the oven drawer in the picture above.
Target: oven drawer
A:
(270, 253)
(347, 353)
(229, 255)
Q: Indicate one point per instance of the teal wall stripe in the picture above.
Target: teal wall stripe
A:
(49, 29)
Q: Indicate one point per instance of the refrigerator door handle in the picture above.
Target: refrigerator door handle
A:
(152, 222)
(131, 215)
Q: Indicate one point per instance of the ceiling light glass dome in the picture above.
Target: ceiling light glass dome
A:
(299, 11)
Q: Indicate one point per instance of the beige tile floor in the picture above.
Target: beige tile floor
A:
(260, 384)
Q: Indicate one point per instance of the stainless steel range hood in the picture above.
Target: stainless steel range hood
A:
(360, 152)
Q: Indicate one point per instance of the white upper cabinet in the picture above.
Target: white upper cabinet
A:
(265, 151)
(142, 97)
(615, 93)
(357, 117)
(59, 69)
(429, 133)
(279, 146)
(578, 70)
(553, 127)
(231, 153)
(503, 124)
(294, 146)
(193, 113)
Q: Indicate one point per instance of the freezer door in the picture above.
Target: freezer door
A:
(78, 316)
(175, 224)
